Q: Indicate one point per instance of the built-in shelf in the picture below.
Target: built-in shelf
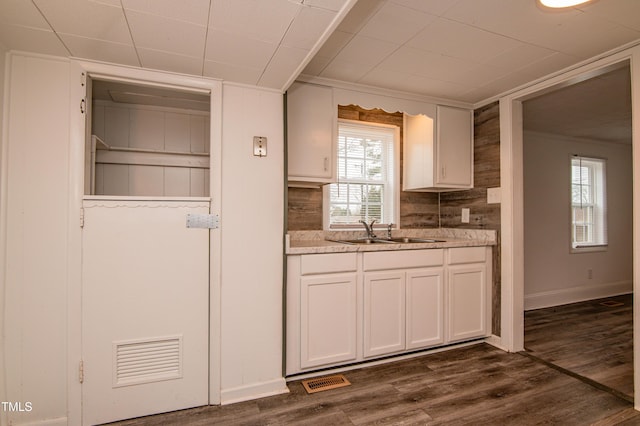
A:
(106, 154)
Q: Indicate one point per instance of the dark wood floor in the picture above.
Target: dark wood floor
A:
(587, 338)
(478, 385)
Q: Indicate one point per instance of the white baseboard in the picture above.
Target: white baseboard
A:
(253, 391)
(575, 294)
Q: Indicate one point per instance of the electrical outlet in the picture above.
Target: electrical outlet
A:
(465, 215)
(589, 273)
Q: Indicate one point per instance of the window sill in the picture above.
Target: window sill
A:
(589, 249)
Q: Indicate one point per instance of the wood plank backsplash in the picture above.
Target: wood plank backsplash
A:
(424, 209)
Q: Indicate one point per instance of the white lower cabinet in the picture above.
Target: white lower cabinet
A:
(425, 308)
(468, 299)
(384, 313)
(350, 307)
(327, 319)
(403, 310)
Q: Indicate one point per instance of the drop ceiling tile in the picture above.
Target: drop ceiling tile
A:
(258, 19)
(115, 3)
(547, 65)
(433, 7)
(193, 11)
(160, 33)
(168, 61)
(223, 47)
(31, 40)
(519, 56)
(308, 27)
(426, 64)
(461, 41)
(86, 19)
(623, 12)
(586, 36)
(231, 72)
(334, 5)
(396, 24)
(366, 51)
(345, 70)
(100, 50)
(477, 75)
(518, 19)
(22, 13)
(283, 67)
(412, 83)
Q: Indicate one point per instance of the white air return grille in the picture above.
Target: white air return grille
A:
(148, 360)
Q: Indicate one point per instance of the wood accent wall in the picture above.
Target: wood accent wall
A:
(422, 209)
(486, 166)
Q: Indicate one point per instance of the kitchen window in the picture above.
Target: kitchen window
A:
(588, 204)
(368, 175)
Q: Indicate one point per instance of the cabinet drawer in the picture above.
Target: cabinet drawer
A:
(404, 259)
(328, 263)
(467, 255)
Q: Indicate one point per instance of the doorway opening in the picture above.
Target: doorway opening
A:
(578, 296)
(145, 266)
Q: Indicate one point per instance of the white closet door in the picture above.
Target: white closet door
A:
(144, 308)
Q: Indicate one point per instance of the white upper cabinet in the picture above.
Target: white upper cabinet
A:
(438, 151)
(312, 118)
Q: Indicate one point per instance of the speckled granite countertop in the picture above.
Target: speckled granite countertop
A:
(309, 242)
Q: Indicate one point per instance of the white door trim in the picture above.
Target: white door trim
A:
(76, 189)
(512, 208)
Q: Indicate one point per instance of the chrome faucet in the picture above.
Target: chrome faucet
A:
(369, 228)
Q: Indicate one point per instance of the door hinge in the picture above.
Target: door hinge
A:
(81, 372)
(81, 218)
(83, 79)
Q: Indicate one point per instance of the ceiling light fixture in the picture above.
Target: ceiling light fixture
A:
(557, 4)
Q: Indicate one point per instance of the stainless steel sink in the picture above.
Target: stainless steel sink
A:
(365, 241)
(401, 240)
(414, 240)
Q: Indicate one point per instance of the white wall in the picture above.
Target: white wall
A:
(35, 275)
(553, 275)
(252, 246)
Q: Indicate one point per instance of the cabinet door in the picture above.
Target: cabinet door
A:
(454, 147)
(425, 307)
(327, 319)
(384, 313)
(311, 120)
(467, 301)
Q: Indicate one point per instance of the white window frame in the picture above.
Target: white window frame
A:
(393, 182)
(596, 204)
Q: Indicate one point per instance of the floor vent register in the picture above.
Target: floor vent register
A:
(325, 383)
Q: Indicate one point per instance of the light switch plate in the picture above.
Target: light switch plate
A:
(465, 215)
(260, 146)
(493, 195)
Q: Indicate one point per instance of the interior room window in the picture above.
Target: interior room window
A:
(588, 203)
(366, 175)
